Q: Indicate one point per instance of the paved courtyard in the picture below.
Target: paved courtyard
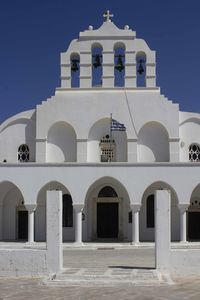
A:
(105, 258)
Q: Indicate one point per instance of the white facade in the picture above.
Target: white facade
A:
(63, 144)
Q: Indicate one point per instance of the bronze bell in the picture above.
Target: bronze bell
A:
(74, 65)
(140, 68)
(119, 66)
(97, 61)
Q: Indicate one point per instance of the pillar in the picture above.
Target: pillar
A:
(31, 213)
(135, 224)
(183, 215)
(162, 230)
(1, 221)
(54, 232)
(78, 223)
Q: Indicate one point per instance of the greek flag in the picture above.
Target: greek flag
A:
(116, 126)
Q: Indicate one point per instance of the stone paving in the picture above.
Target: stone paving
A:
(101, 260)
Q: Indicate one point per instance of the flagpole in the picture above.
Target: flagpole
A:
(110, 159)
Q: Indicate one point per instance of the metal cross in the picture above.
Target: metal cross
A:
(108, 15)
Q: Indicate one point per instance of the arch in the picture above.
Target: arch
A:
(61, 143)
(153, 143)
(107, 193)
(119, 64)
(141, 69)
(194, 152)
(40, 213)
(75, 70)
(97, 69)
(23, 153)
(147, 230)
(193, 216)
(11, 204)
(99, 131)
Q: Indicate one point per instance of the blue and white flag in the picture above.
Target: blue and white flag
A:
(116, 126)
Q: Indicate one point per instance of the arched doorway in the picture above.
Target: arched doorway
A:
(40, 213)
(13, 214)
(193, 216)
(107, 210)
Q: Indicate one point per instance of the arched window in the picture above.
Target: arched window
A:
(119, 60)
(108, 149)
(107, 192)
(75, 70)
(96, 65)
(67, 211)
(23, 153)
(150, 211)
(141, 69)
(194, 153)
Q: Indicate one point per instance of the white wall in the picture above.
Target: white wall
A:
(61, 143)
(153, 143)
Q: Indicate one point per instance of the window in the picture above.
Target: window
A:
(130, 217)
(150, 211)
(23, 153)
(194, 153)
(108, 149)
(106, 192)
(67, 211)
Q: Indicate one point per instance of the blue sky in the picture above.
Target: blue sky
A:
(33, 33)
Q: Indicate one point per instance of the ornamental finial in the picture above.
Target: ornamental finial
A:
(108, 15)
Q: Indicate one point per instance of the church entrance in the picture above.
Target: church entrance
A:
(107, 220)
(194, 225)
(22, 225)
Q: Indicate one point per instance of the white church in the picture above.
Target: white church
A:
(108, 139)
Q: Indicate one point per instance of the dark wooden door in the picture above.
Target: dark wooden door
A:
(193, 225)
(23, 225)
(107, 220)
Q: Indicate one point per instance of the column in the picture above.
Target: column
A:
(183, 215)
(31, 212)
(1, 221)
(135, 223)
(78, 223)
(54, 232)
(162, 230)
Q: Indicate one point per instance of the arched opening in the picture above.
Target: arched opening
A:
(153, 143)
(23, 153)
(97, 65)
(141, 69)
(193, 216)
(61, 143)
(119, 62)
(147, 217)
(13, 214)
(107, 207)
(75, 70)
(40, 213)
(104, 146)
(194, 152)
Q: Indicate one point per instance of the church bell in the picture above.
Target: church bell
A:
(97, 61)
(74, 65)
(119, 66)
(140, 68)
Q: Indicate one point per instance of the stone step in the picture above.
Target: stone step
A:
(108, 277)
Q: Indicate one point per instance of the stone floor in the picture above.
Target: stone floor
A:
(103, 259)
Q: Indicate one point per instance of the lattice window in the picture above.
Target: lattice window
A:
(108, 149)
(195, 204)
(194, 153)
(23, 153)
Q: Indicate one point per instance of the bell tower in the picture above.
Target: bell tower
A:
(116, 56)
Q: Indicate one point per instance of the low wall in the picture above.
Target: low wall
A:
(185, 262)
(23, 262)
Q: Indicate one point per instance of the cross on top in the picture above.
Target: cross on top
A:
(108, 15)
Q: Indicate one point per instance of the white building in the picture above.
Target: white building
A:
(108, 177)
